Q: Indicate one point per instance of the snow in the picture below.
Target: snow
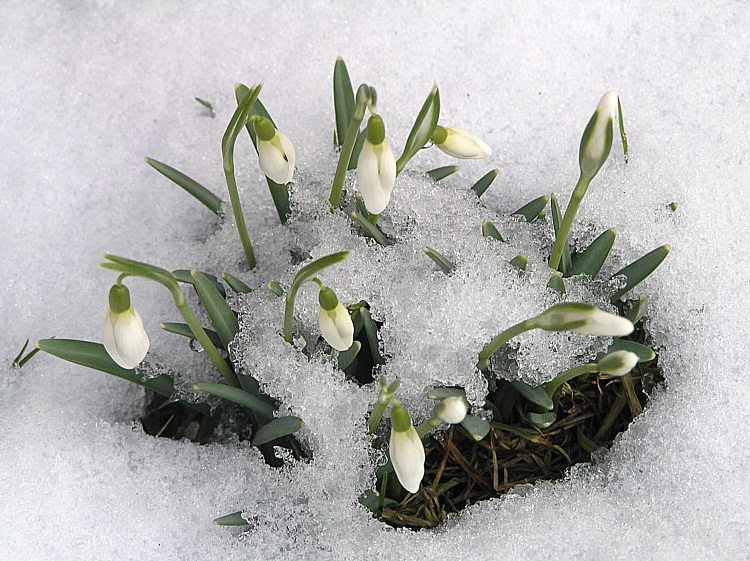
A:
(92, 88)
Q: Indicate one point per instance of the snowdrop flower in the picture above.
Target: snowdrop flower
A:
(582, 318)
(460, 143)
(335, 323)
(452, 410)
(376, 168)
(122, 333)
(275, 152)
(617, 363)
(406, 450)
(596, 142)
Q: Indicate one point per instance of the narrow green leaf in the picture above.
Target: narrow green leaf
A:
(184, 275)
(343, 99)
(218, 310)
(441, 173)
(372, 230)
(590, 261)
(565, 263)
(530, 211)
(239, 396)
(235, 284)
(636, 312)
(234, 519)
(443, 393)
(489, 231)
(477, 427)
(371, 329)
(93, 355)
(205, 104)
(184, 330)
(645, 354)
(519, 262)
(275, 287)
(423, 129)
(484, 182)
(586, 443)
(541, 420)
(640, 269)
(444, 263)
(18, 357)
(283, 426)
(375, 417)
(203, 195)
(354, 158)
(535, 394)
(347, 357)
(623, 136)
(556, 283)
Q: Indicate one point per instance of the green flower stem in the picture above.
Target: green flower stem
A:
(551, 386)
(346, 154)
(500, 340)
(373, 218)
(239, 218)
(567, 221)
(427, 426)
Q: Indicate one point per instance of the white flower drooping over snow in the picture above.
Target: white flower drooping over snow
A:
(452, 410)
(617, 363)
(123, 335)
(460, 143)
(275, 152)
(376, 168)
(335, 322)
(406, 450)
(582, 318)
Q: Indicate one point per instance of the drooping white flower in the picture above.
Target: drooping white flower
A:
(582, 318)
(275, 152)
(460, 143)
(617, 363)
(406, 450)
(452, 410)
(335, 322)
(123, 335)
(376, 168)
(596, 142)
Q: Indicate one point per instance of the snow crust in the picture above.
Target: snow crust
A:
(93, 88)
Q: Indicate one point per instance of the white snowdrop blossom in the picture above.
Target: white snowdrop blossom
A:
(596, 142)
(617, 363)
(460, 143)
(582, 318)
(376, 168)
(452, 410)
(123, 335)
(406, 450)
(335, 322)
(275, 152)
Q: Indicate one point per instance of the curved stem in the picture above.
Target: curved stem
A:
(346, 154)
(567, 221)
(492, 347)
(239, 218)
(551, 386)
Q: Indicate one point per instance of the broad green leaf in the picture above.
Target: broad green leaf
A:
(239, 396)
(542, 420)
(343, 99)
(484, 182)
(636, 312)
(443, 393)
(184, 330)
(565, 263)
(489, 231)
(183, 275)
(535, 394)
(530, 211)
(590, 261)
(371, 329)
(477, 427)
(218, 310)
(372, 230)
(277, 428)
(234, 519)
(519, 262)
(346, 357)
(235, 284)
(444, 263)
(640, 269)
(203, 195)
(441, 173)
(93, 355)
(645, 354)
(556, 283)
(423, 129)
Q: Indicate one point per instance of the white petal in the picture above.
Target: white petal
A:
(336, 327)
(272, 162)
(376, 174)
(461, 143)
(407, 455)
(108, 338)
(602, 323)
(291, 158)
(127, 343)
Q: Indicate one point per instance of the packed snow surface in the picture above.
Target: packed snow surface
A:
(93, 88)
